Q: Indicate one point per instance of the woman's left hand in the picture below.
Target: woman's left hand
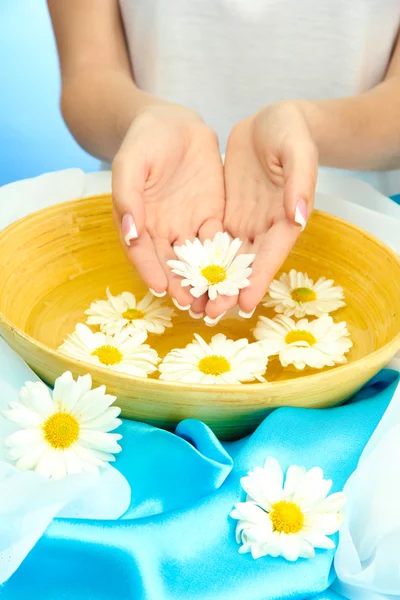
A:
(271, 166)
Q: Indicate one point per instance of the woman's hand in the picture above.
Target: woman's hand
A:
(271, 168)
(168, 187)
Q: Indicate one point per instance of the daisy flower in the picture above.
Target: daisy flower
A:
(122, 352)
(212, 267)
(286, 519)
(124, 313)
(296, 294)
(220, 361)
(319, 343)
(65, 431)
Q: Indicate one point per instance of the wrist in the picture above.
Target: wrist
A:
(167, 110)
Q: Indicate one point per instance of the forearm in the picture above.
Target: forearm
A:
(361, 132)
(99, 107)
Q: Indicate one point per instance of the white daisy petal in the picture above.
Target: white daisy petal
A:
(221, 361)
(286, 519)
(212, 267)
(37, 397)
(73, 434)
(294, 476)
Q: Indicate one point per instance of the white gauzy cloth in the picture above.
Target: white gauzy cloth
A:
(28, 501)
(369, 541)
(228, 58)
(367, 560)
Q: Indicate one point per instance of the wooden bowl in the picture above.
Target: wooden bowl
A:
(56, 261)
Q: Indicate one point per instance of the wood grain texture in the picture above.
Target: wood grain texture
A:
(53, 263)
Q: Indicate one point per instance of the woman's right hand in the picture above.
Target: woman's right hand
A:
(168, 186)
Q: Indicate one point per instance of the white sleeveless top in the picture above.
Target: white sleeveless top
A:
(228, 58)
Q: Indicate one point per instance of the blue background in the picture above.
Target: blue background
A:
(33, 136)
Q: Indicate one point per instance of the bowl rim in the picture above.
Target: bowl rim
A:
(197, 387)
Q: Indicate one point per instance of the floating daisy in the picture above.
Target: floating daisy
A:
(122, 352)
(286, 519)
(124, 313)
(212, 267)
(66, 431)
(296, 294)
(220, 361)
(319, 343)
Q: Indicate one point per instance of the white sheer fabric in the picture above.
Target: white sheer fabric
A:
(367, 560)
(28, 501)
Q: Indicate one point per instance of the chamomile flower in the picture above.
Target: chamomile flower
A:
(65, 431)
(124, 313)
(296, 294)
(288, 518)
(122, 352)
(212, 267)
(319, 343)
(220, 361)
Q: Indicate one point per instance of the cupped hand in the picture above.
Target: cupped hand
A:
(271, 166)
(168, 187)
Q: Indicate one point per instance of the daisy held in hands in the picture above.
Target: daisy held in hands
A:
(213, 267)
(66, 431)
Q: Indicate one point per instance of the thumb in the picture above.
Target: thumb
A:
(300, 170)
(128, 182)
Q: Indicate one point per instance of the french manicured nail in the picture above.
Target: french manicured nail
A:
(129, 229)
(158, 294)
(246, 315)
(195, 315)
(301, 214)
(179, 305)
(211, 322)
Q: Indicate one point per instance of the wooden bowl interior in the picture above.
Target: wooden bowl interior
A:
(57, 261)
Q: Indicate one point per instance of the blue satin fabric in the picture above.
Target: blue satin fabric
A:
(177, 542)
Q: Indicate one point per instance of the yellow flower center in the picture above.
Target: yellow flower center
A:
(286, 517)
(108, 355)
(303, 295)
(214, 365)
(214, 274)
(61, 430)
(133, 313)
(300, 335)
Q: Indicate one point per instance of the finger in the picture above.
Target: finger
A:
(198, 307)
(271, 251)
(128, 182)
(141, 252)
(300, 169)
(181, 295)
(209, 228)
(220, 305)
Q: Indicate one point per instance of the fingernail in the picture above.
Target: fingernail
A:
(301, 216)
(211, 322)
(129, 229)
(179, 305)
(158, 294)
(246, 315)
(195, 315)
